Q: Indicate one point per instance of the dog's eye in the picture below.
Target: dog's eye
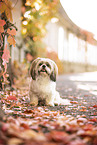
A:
(48, 65)
(40, 64)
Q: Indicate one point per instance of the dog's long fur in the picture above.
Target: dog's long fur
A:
(43, 73)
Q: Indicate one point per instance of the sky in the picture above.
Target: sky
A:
(83, 13)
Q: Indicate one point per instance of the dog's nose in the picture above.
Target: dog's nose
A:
(43, 66)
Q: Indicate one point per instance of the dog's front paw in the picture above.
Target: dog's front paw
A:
(34, 101)
(49, 103)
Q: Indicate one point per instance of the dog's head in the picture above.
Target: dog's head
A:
(44, 67)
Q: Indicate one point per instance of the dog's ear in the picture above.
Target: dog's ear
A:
(54, 73)
(33, 68)
(53, 76)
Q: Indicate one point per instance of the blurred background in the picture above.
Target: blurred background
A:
(61, 30)
(45, 30)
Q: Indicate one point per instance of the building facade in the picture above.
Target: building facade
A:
(76, 48)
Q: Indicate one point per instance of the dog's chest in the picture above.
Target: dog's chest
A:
(44, 85)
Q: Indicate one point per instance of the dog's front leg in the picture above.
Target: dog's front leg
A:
(33, 99)
(50, 100)
(57, 98)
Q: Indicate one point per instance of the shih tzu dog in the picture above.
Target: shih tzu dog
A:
(43, 73)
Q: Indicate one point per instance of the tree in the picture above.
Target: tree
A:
(36, 14)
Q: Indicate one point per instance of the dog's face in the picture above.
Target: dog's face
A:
(43, 67)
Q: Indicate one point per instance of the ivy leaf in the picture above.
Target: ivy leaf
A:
(6, 54)
(2, 7)
(11, 32)
(1, 29)
(5, 6)
(11, 40)
(2, 22)
(8, 14)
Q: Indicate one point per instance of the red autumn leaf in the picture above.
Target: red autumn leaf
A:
(6, 54)
(82, 110)
(11, 32)
(25, 126)
(95, 113)
(11, 40)
(1, 29)
(58, 135)
(88, 127)
(6, 6)
(28, 111)
(93, 120)
(83, 107)
(74, 102)
(2, 22)
(95, 106)
(12, 98)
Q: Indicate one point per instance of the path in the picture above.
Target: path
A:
(81, 89)
(75, 124)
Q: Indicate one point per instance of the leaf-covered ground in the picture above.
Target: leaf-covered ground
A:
(43, 125)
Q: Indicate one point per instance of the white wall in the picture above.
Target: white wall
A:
(51, 38)
(68, 46)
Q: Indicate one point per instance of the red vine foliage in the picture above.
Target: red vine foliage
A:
(7, 29)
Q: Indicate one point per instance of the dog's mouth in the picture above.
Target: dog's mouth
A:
(42, 71)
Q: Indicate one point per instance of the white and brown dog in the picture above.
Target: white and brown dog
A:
(43, 83)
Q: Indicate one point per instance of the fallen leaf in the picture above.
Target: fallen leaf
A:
(12, 98)
(95, 106)
(25, 126)
(74, 102)
(82, 110)
(93, 119)
(82, 120)
(58, 136)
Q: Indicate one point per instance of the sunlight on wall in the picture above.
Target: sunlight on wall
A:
(70, 48)
(92, 54)
(61, 43)
(76, 49)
